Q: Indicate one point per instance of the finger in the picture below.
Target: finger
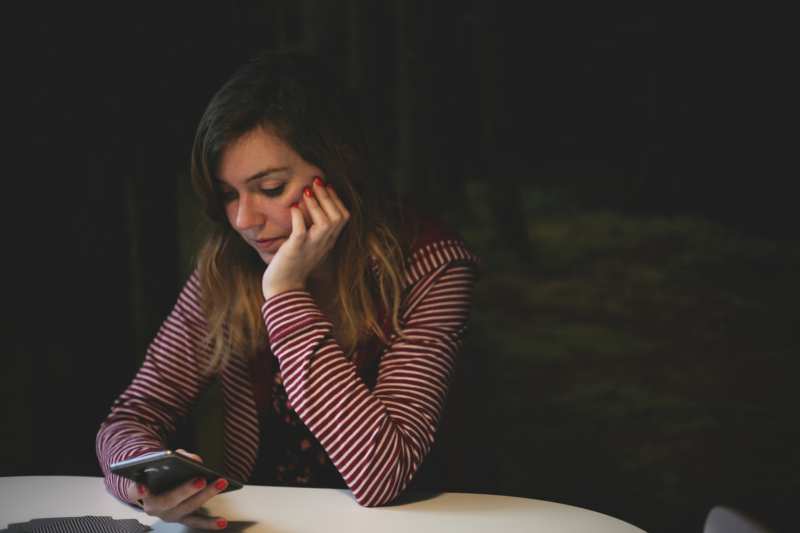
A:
(345, 214)
(330, 207)
(163, 503)
(318, 216)
(135, 492)
(204, 522)
(338, 201)
(191, 505)
(190, 455)
(298, 223)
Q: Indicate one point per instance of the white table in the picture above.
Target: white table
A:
(257, 509)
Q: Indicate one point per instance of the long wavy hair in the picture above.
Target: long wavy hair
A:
(298, 99)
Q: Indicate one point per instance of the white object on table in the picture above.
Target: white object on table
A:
(257, 509)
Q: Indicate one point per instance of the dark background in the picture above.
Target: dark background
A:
(621, 171)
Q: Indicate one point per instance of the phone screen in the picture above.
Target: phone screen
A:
(162, 471)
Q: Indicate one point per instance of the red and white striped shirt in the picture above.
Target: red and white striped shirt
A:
(376, 438)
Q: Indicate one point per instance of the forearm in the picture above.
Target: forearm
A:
(161, 392)
(376, 439)
(331, 400)
(119, 440)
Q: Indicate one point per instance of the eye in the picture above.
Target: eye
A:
(274, 191)
(228, 196)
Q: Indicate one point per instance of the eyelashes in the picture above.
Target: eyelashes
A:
(273, 192)
(228, 196)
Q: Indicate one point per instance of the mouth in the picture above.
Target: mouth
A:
(268, 245)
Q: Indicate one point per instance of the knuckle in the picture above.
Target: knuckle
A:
(175, 497)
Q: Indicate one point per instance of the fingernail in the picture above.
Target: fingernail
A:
(221, 523)
(308, 192)
(329, 185)
(199, 483)
(318, 181)
(221, 484)
(295, 205)
(140, 488)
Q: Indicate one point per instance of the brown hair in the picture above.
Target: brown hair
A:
(295, 97)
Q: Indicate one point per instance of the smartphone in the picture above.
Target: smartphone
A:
(165, 470)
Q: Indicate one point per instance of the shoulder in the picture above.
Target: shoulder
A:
(431, 245)
(192, 287)
(190, 299)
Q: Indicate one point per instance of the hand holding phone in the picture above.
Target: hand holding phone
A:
(173, 487)
(165, 470)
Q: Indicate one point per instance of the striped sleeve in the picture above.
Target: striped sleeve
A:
(376, 439)
(161, 392)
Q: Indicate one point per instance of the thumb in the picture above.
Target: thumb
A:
(190, 455)
(298, 223)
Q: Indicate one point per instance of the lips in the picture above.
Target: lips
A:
(268, 245)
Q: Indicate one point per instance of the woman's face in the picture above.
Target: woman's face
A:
(260, 177)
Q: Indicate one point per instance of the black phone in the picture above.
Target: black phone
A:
(165, 470)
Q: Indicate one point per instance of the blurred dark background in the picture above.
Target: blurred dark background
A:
(622, 171)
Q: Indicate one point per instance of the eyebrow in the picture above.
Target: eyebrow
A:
(260, 174)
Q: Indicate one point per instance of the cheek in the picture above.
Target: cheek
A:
(281, 216)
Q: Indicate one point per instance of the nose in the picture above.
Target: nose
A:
(247, 214)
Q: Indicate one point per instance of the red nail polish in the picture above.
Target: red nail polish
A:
(308, 192)
(140, 488)
(295, 205)
(329, 186)
(221, 523)
(318, 181)
(199, 483)
(221, 484)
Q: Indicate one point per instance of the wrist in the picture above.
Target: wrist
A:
(274, 290)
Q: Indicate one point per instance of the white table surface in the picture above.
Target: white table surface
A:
(257, 509)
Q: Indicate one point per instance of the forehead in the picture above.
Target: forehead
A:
(254, 152)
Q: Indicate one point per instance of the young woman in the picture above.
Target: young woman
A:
(332, 319)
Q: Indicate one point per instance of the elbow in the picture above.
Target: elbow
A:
(382, 493)
(368, 504)
(382, 476)
(366, 501)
